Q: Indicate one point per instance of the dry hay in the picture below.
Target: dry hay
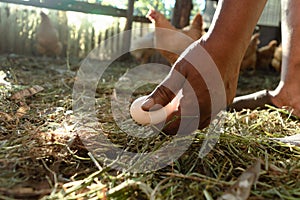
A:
(42, 157)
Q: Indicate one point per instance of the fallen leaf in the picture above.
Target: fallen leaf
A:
(22, 111)
(242, 187)
(27, 92)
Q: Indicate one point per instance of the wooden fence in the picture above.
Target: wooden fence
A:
(18, 25)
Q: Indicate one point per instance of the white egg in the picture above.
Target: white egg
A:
(153, 117)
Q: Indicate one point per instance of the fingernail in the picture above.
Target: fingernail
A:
(148, 103)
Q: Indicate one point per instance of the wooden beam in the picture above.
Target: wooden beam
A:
(77, 6)
(141, 19)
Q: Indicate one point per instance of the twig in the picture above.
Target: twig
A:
(54, 177)
(95, 161)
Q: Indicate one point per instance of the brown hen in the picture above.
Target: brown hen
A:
(48, 43)
(249, 59)
(265, 55)
(172, 42)
(277, 58)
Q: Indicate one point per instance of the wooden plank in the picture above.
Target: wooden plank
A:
(141, 19)
(77, 6)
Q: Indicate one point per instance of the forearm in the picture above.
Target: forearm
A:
(232, 27)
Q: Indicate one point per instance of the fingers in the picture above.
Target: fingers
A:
(190, 116)
(176, 124)
(166, 90)
(161, 96)
(194, 110)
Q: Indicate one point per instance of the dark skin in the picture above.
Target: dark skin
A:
(226, 42)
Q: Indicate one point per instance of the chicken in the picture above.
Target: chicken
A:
(265, 55)
(172, 43)
(47, 38)
(138, 48)
(249, 59)
(277, 58)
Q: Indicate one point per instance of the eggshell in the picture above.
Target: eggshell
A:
(152, 117)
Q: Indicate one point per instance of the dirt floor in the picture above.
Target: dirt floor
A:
(42, 156)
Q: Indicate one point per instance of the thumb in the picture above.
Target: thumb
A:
(160, 97)
(165, 91)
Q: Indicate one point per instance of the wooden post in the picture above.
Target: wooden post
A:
(128, 27)
(181, 13)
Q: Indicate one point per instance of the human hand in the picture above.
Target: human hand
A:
(202, 87)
